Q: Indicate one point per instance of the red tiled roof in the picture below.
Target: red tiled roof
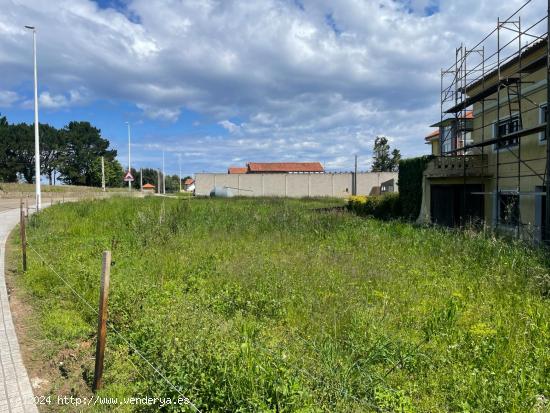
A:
(237, 170)
(148, 186)
(285, 167)
(188, 181)
(432, 135)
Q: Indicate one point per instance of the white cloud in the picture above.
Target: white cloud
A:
(47, 100)
(230, 126)
(8, 98)
(299, 87)
(167, 114)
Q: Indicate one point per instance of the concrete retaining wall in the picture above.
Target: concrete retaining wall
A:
(301, 185)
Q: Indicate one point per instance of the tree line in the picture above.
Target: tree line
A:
(71, 155)
(154, 177)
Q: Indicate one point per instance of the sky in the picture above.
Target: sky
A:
(218, 83)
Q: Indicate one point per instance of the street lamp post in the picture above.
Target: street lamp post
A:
(129, 158)
(36, 129)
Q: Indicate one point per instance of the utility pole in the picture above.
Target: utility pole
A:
(354, 183)
(36, 126)
(158, 181)
(129, 157)
(141, 179)
(103, 173)
(163, 176)
(179, 176)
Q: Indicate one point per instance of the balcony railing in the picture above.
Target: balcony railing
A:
(457, 166)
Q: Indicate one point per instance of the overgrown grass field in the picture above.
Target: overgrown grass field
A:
(283, 305)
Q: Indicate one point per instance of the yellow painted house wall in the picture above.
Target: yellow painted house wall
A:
(436, 147)
(533, 88)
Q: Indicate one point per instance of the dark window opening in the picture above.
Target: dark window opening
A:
(457, 205)
(506, 127)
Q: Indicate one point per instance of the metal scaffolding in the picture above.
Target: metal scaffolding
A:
(496, 72)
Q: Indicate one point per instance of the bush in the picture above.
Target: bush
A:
(405, 204)
(410, 185)
(379, 206)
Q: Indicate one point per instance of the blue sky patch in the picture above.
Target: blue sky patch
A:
(329, 19)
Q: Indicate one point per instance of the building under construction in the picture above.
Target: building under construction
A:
(491, 152)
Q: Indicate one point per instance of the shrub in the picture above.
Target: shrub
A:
(410, 185)
(379, 206)
(389, 206)
(356, 203)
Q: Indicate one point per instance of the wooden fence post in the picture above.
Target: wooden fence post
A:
(102, 320)
(23, 236)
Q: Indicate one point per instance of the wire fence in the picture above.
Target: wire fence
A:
(130, 345)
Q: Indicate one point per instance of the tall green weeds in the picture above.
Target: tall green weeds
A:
(273, 305)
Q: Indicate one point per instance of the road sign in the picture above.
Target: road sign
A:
(128, 177)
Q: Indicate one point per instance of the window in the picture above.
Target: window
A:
(447, 139)
(542, 119)
(508, 209)
(386, 186)
(505, 127)
(455, 134)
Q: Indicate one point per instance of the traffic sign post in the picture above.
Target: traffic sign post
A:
(128, 177)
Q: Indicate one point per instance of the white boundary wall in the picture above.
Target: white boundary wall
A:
(297, 185)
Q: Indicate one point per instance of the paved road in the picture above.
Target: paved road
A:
(8, 203)
(16, 394)
(15, 388)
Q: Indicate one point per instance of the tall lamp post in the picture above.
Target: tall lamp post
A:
(36, 129)
(129, 158)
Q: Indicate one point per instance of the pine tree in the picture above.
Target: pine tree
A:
(382, 160)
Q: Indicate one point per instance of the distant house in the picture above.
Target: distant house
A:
(457, 133)
(189, 185)
(387, 186)
(148, 189)
(284, 167)
(433, 140)
(278, 167)
(237, 170)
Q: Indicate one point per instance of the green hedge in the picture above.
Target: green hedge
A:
(379, 206)
(410, 185)
(405, 204)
